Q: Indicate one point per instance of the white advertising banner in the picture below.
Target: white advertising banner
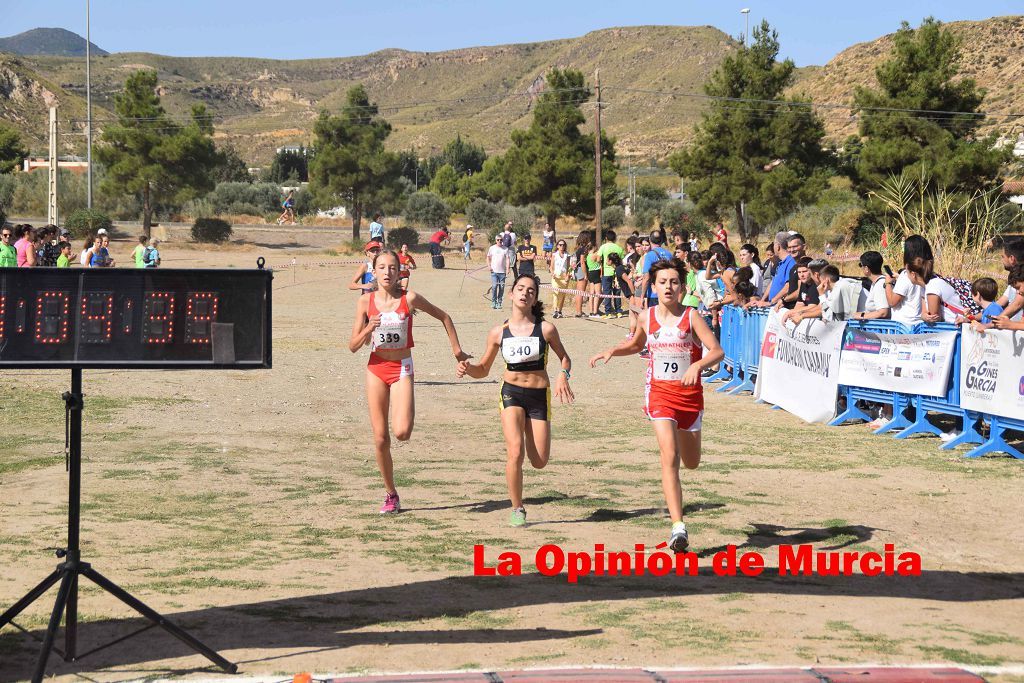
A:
(992, 372)
(904, 363)
(799, 369)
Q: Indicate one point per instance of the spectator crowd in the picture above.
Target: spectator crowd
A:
(22, 246)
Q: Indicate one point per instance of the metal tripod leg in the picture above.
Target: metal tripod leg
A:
(51, 630)
(33, 595)
(146, 611)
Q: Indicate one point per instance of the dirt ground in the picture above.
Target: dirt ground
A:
(244, 506)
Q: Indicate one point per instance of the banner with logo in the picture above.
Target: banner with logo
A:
(992, 372)
(799, 367)
(905, 363)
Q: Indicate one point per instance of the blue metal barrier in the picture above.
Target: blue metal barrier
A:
(754, 323)
(947, 404)
(996, 442)
(899, 402)
(727, 368)
(742, 332)
(735, 319)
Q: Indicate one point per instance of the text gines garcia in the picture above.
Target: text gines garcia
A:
(793, 560)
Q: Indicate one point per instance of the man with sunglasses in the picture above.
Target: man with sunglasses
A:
(8, 254)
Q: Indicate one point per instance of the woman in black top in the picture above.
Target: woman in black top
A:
(525, 395)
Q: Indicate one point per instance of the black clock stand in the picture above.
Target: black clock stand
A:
(68, 572)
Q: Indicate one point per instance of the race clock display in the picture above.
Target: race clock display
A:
(135, 318)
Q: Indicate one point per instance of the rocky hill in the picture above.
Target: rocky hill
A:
(48, 41)
(482, 92)
(428, 97)
(993, 55)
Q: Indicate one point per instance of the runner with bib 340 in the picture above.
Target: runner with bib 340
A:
(674, 397)
(525, 395)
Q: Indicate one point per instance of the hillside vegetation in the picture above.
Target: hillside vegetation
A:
(262, 104)
(993, 55)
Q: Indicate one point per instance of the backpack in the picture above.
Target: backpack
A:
(147, 256)
(963, 290)
(506, 240)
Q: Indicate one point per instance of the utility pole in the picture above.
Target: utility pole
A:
(597, 156)
(51, 202)
(88, 111)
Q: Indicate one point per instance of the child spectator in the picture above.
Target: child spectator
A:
(151, 255)
(1015, 280)
(140, 249)
(64, 260)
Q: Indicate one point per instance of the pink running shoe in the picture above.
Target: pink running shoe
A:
(391, 504)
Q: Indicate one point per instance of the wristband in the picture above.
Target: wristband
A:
(566, 373)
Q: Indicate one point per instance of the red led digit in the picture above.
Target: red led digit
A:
(19, 317)
(52, 317)
(3, 311)
(126, 316)
(97, 318)
(200, 312)
(158, 318)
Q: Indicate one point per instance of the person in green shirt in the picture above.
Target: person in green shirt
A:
(64, 260)
(8, 254)
(690, 298)
(140, 252)
(612, 306)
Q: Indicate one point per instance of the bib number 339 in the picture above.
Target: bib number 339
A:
(391, 336)
(671, 366)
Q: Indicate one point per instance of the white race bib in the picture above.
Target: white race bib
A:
(520, 349)
(391, 334)
(671, 366)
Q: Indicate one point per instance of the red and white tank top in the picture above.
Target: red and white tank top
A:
(395, 330)
(672, 350)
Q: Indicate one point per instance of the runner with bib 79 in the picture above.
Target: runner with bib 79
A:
(673, 395)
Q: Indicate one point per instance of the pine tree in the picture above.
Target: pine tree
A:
(927, 142)
(351, 165)
(11, 151)
(758, 158)
(149, 155)
(552, 162)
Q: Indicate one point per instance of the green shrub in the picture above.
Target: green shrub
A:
(85, 222)
(211, 230)
(427, 210)
(250, 198)
(484, 215)
(613, 217)
(643, 219)
(673, 217)
(396, 237)
(3, 217)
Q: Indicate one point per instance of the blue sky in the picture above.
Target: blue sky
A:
(810, 32)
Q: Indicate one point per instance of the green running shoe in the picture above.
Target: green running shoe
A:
(518, 517)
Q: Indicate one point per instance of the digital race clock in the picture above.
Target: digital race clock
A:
(134, 318)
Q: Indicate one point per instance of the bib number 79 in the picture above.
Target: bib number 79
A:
(670, 368)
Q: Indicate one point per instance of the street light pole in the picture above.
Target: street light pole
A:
(88, 107)
(746, 25)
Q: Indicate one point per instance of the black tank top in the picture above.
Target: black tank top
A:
(524, 353)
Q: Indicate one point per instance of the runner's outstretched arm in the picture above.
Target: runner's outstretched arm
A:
(418, 302)
(562, 390)
(483, 368)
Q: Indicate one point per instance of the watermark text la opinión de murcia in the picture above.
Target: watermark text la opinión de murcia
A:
(793, 560)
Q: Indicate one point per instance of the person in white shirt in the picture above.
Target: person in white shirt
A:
(559, 276)
(943, 303)
(497, 259)
(749, 256)
(876, 305)
(1013, 255)
(906, 292)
